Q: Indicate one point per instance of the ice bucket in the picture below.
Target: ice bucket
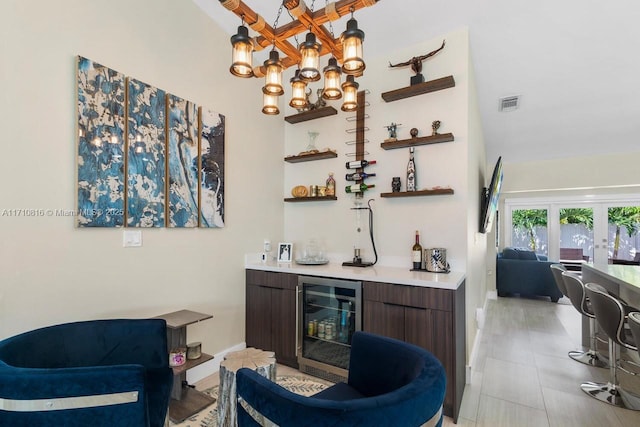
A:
(436, 260)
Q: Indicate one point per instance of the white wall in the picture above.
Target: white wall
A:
(441, 220)
(476, 287)
(52, 272)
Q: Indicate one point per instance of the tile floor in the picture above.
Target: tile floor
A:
(522, 375)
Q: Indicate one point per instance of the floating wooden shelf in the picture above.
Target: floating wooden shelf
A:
(421, 140)
(191, 363)
(419, 89)
(310, 199)
(437, 192)
(311, 114)
(312, 156)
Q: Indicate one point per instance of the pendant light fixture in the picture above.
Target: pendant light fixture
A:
(332, 80)
(346, 50)
(273, 76)
(310, 53)
(352, 38)
(270, 104)
(241, 53)
(350, 89)
(298, 89)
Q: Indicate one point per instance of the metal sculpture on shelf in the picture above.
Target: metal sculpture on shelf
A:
(416, 65)
(435, 125)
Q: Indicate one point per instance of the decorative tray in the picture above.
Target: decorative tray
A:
(312, 261)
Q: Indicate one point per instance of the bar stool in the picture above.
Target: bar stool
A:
(557, 270)
(611, 316)
(576, 293)
(634, 325)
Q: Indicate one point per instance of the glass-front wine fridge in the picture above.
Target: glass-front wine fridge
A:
(329, 312)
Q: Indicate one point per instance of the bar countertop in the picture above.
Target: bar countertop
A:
(376, 273)
(625, 275)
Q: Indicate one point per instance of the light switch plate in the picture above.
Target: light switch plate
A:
(132, 238)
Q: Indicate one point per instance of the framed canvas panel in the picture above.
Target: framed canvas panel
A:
(211, 169)
(182, 170)
(146, 109)
(101, 131)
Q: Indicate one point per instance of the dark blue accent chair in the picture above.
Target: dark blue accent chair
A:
(88, 358)
(521, 271)
(391, 383)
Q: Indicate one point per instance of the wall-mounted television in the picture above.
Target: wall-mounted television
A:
(489, 199)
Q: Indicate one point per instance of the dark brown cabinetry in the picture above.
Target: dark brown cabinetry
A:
(430, 318)
(271, 314)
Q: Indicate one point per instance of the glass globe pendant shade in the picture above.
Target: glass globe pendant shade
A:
(298, 89)
(350, 89)
(273, 76)
(352, 38)
(310, 52)
(241, 53)
(270, 104)
(332, 80)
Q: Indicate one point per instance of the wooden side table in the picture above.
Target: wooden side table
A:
(185, 400)
(263, 362)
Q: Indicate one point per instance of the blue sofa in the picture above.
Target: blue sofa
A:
(391, 383)
(521, 271)
(100, 373)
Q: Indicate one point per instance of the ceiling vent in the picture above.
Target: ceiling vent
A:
(509, 103)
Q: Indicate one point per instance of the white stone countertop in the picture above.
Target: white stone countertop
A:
(625, 275)
(376, 273)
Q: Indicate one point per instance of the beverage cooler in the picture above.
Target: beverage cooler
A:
(329, 312)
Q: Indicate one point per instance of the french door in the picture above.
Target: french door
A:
(574, 231)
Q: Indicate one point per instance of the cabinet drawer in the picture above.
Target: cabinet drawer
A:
(272, 279)
(408, 296)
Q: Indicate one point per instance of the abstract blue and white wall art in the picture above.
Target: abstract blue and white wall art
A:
(145, 158)
(145, 155)
(101, 130)
(211, 169)
(183, 162)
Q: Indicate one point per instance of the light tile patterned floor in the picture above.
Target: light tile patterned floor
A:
(522, 376)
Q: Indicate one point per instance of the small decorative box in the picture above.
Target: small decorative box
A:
(177, 357)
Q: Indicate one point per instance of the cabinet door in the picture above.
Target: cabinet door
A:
(418, 327)
(283, 302)
(383, 319)
(258, 327)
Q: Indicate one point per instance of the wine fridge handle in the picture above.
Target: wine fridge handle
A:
(298, 302)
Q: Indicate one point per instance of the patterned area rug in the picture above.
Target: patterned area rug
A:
(208, 417)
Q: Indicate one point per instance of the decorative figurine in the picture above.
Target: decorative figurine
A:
(395, 184)
(416, 65)
(312, 141)
(320, 102)
(435, 125)
(331, 185)
(413, 132)
(393, 132)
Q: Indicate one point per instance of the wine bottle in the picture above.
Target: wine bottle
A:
(416, 253)
(411, 172)
(358, 188)
(358, 176)
(356, 164)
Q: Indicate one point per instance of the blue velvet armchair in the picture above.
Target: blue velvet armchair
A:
(521, 271)
(391, 383)
(94, 373)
